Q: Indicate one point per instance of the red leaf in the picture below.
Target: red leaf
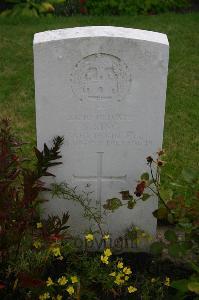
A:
(27, 281)
(55, 237)
(2, 286)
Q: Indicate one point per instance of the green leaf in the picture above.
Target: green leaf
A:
(145, 197)
(196, 268)
(166, 194)
(156, 248)
(145, 176)
(38, 154)
(194, 287)
(174, 250)
(170, 236)
(170, 218)
(176, 184)
(181, 285)
(112, 204)
(185, 246)
(131, 204)
(161, 213)
(47, 7)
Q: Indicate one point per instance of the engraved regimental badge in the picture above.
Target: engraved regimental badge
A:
(101, 77)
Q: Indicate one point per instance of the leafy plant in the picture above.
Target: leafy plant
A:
(31, 8)
(179, 207)
(133, 7)
(21, 228)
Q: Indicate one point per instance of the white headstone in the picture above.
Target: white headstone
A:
(104, 90)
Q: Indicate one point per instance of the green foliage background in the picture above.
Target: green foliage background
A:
(133, 7)
(93, 7)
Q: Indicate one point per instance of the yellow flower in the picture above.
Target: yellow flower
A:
(106, 237)
(39, 225)
(127, 271)
(56, 251)
(113, 274)
(167, 281)
(126, 278)
(62, 280)
(89, 237)
(120, 265)
(74, 279)
(37, 244)
(60, 257)
(153, 280)
(49, 282)
(132, 289)
(59, 297)
(119, 280)
(44, 296)
(70, 290)
(104, 259)
(107, 252)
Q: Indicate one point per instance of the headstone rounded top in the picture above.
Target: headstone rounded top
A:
(100, 31)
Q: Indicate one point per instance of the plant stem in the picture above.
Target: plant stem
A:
(157, 188)
(70, 194)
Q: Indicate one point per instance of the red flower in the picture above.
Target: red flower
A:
(140, 188)
(55, 237)
(2, 286)
(83, 10)
(82, 1)
(15, 158)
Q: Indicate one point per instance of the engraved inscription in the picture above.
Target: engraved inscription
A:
(106, 138)
(103, 129)
(101, 77)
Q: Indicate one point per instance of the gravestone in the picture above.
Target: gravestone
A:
(104, 90)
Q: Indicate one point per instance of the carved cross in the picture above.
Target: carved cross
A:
(100, 178)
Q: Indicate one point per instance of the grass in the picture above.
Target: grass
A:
(181, 139)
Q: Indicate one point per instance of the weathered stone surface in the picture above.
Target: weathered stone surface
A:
(104, 89)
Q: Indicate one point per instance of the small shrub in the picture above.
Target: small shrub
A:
(133, 7)
(33, 8)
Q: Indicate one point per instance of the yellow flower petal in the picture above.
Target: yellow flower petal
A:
(113, 274)
(44, 296)
(49, 282)
(107, 252)
(167, 281)
(74, 279)
(56, 251)
(70, 290)
(62, 280)
(106, 237)
(127, 271)
(39, 225)
(132, 289)
(120, 265)
(119, 280)
(37, 244)
(89, 237)
(104, 259)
